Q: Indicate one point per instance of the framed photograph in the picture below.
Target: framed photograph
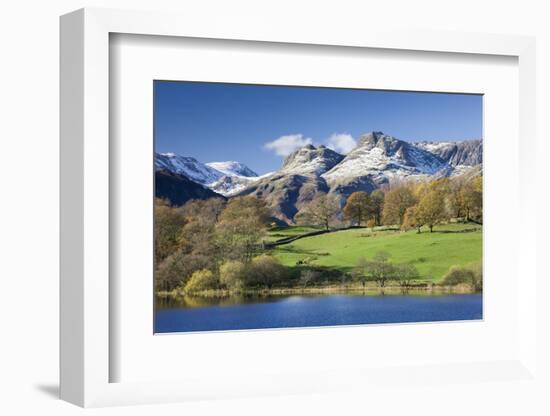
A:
(282, 230)
(256, 212)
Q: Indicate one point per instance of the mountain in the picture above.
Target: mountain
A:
(187, 166)
(379, 158)
(285, 192)
(376, 161)
(298, 181)
(179, 189)
(232, 168)
(461, 153)
(224, 178)
(311, 160)
(231, 185)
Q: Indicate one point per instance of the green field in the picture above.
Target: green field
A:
(431, 253)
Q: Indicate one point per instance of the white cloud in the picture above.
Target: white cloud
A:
(285, 145)
(342, 143)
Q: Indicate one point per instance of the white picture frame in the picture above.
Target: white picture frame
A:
(86, 356)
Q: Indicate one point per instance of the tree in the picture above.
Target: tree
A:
(241, 206)
(177, 268)
(359, 270)
(357, 208)
(377, 205)
(396, 202)
(241, 227)
(265, 270)
(456, 194)
(472, 275)
(308, 276)
(197, 236)
(207, 210)
(379, 269)
(472, 197)
(201, 280)
(168, 224)
(322, 210)
(233, 274)
(430, 209)
(410, 220)
(405, 273)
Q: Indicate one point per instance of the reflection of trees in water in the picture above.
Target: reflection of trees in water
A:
(186, 301)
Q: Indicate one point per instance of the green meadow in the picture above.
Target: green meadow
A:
(432, 253)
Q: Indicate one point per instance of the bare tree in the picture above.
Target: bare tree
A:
(405, 273)
(379, 269)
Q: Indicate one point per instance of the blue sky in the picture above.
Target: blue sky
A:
(258, 125)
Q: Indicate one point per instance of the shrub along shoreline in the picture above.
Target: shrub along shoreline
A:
(330, 290)
(358, 289)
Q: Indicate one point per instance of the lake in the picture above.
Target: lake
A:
(214, 314)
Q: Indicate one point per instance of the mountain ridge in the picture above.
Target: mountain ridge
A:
(376, 161)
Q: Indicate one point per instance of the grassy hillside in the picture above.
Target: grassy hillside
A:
(432, 253)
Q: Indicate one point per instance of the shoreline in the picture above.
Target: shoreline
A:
(435, 289)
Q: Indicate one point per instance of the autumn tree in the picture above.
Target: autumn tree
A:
(322, 210)
(241, 227)
(178, 267)
(265, 271)
(473, 199)
(201, 280)
(411, 221)
(455, 197)
(233, 274)
(357, 208)
(208, 210)
(377, 205)
(471, 274)
(396, 202)
(431, 208)
(197, 236)
(168, 224)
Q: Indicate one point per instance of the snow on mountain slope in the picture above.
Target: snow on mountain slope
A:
(377, 160)
(187, 166)
(231, 185)
(382, 158)
(225, 178)
(311, 160)
(232, 168)
(458, 153)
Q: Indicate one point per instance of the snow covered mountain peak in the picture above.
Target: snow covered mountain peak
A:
(456, 153)
(374, 139)
(233, 168)
(223, 177)
(187, 166)
(311, 160)
(376, 161)
(382, 157)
